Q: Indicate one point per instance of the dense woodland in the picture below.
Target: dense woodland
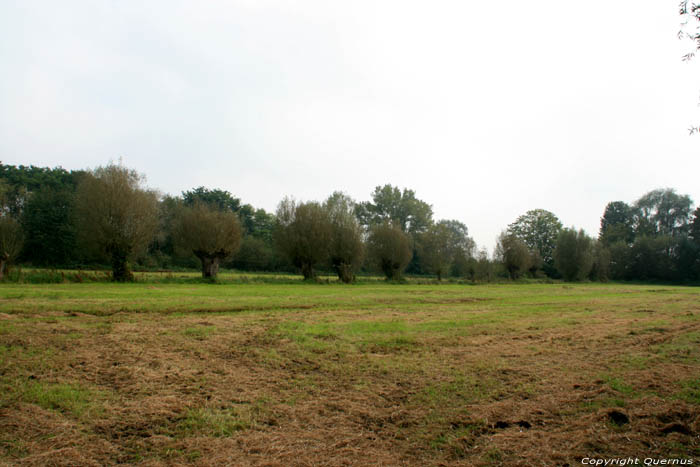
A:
(56, 218)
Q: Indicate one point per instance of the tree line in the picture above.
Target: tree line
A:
(56, 218)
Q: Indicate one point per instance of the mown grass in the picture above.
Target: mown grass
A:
(320, 373)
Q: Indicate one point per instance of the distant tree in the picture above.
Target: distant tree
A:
(513, 253)
(49, 224)
(257, 222)
(162, 249)
(21, 181)
(346, 247)
(663, 212)
(620, 258)
(11, 239)
(617, 223)
(573, 254)
(389, 248)
(254, 255)
(483, 268)
(389, 204)
(539, 230)
(687, 259)
(303, 234)
(220, 199)
(650, 258)
(695, 226)
(212, 234)
(444, 243)
(600, 269)
(116, 215)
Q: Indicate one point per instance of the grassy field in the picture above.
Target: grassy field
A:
(328, 374)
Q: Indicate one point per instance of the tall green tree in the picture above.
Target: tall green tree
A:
(573, 254)
(663, 212)
(346, 250)
(11, 240)
(617, 223)
(212, 234)
(222, 200)
(389, 249)
(695, 226)
(443, 244)
(514, 254)
(48, 220)
(116, 215)
(304, 234)
(539, 230)
(402, 208)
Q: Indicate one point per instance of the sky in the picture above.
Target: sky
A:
(485, 109)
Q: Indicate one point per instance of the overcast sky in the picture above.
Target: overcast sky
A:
(485, 109)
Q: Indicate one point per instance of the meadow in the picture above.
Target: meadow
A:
(271, 371)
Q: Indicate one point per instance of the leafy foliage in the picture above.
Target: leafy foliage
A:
(116, 216)
(445, 243)
(49, 227)
(212, 234)
(617, 223)
(219, 199)
(573, 255)
(389, 249)
(11, 239)
(346, 248)
(512, 251)
(304, 234)
(663, 212)
(389, 204)
(539, 230)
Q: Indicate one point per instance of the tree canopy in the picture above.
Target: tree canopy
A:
(303, 233)
(212, 234)
(539, 230)
(663, 212)
(390, 204)
(116, 215)
(346, 250)
(389, 248)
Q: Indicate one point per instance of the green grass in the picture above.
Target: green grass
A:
(212, 422)
(690, 391)
(75, 399)
(168, 371)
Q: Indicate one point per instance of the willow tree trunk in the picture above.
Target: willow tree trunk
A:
(391, 270)
(345, 273)
(3, 264)
(121, 271)
(210, 266)
(307, 270)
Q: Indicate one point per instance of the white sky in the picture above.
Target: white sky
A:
(486, 109)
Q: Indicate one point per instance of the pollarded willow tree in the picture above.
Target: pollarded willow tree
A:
(303, 234)
(390, 249)
(11, 241)
(11, 233)
(116, 215)
(514, 254)
(444, 243)
(212, 234)
(346, 248)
